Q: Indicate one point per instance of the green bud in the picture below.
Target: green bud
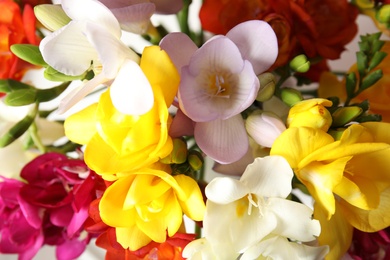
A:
(383, 14)
(376, 59)
(371, 79)
(350, 84)
(361, 62)
(9, 85)
(29, 53)
(178, 154)
(344, 115)
(44, 95)
(364, 4)
(300, 64)
(195, 159)
(336, 134)
(21, 97)
(51, 16)
(267, 86)
(290, 96)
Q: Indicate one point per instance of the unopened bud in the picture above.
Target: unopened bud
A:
(267, 86)
(195, 159)
(383, 14)
(300, 64)
(344, 115)
(290, 96)
(178, 154)
(311, 113)
(264, 127)
(364, 4)
(336, 134)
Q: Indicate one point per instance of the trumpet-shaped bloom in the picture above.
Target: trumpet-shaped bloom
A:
(91, 40)
(219, 81)
(149, 204)
(116, 142)
(242, 213)
(348, 178)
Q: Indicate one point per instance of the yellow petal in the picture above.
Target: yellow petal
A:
(174, 217)
(369, 220)
(160, 71)
(294, 144)
(155, 228)
(81, 126)
(379, 130)
(193, 205)
(336, 232)
(111, 206)
(131, 238)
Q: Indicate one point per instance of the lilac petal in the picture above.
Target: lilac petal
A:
(168, 6)
(131, 92)
(225, 141)
(201, 106)
(67, 50)
(97, 13)
(257, 42)
(236, 168)
(179, 56)
(134, 18)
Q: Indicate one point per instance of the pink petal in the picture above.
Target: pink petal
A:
(61, 217)
(77, 221)
(168, 6)
(71, 249)
(181, 125)
(257, 42)
(179, 56)
(225, 141)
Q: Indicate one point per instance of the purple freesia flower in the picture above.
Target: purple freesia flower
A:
(50, 208)
(219, 81)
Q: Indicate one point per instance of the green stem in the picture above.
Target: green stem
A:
(182, 18)
(33, 130)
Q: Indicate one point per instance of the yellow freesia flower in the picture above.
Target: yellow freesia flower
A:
(149, 204)
(311, 113)
(349, 178)
(116, 142)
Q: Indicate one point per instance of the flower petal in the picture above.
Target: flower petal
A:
(132, 238)
(225, 141)
(224, 190)
(84, 119)
(131, 92)
(257, 43)
(269, 177)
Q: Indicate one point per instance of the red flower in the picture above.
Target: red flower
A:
(370, 246)
(15, 27)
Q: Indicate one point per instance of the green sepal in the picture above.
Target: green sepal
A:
(9, 85)
(18, 129)
(44, 95)
(371, 79)
(344, 115)
(21, 97)
(376, 59)
(369, 118)
(29, 53)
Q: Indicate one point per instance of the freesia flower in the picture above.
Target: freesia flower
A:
(218, 82)
(370, 246)
(16, 26)
(244, 215)
(128, 142)
(347, 178)
(91, 40)
(149, 204)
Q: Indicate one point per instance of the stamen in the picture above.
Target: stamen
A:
(251, 203)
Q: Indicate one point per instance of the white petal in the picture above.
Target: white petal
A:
(92, 11)
(179, 56)
(111, 50)
(269, 177)
(224, 190)
(257, 42)
(67, 50)
(225, 141)
(198, 249)
(294, 220)
(131, 92)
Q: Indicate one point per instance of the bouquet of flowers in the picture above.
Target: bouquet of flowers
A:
(235, 140)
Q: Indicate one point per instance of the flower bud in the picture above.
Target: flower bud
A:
(195, 159)
(264, 127)
(311, 113)
(364, 4)
(300, 64)
(178, 154)
(344, 115)
(290, 96)
(267, 86)
(383, 14)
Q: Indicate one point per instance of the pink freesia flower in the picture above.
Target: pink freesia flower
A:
(219, 81)
(370, 246)
(17, 234)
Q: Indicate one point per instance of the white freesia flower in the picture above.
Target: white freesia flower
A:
(92, 40)
(242, 214)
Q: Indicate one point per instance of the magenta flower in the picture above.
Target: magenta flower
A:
(219, 81)
(370, 246)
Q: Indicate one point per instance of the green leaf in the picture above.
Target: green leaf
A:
(29, 53)
(9, 85)
(44, 95)
(18, 129)
(371, 79)
(376, 59)
(21, 97)
(52, 74)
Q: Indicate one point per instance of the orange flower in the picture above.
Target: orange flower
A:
(15, 27)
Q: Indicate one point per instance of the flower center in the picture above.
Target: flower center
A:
(248, 202)
(218, 86)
